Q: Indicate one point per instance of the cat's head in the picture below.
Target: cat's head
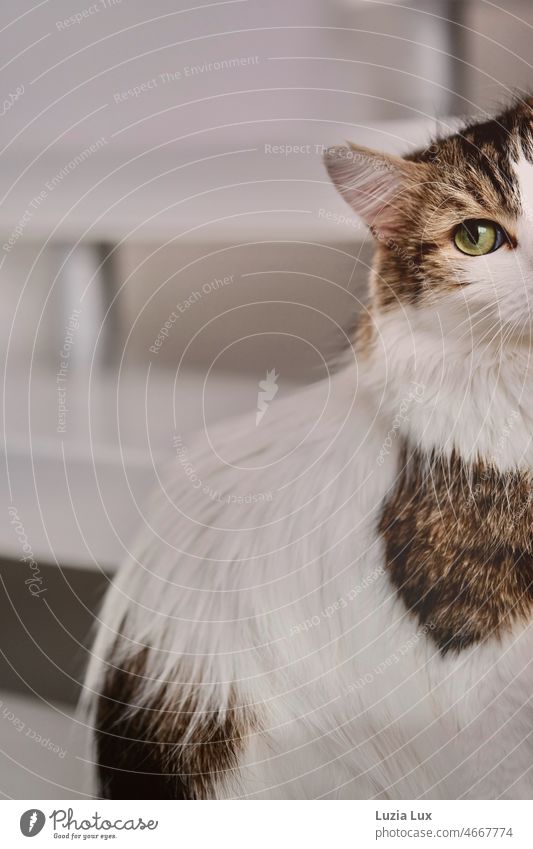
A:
(453, 223)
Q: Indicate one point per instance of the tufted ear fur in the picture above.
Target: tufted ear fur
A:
(376, 185)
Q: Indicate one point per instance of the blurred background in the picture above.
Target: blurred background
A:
(167, 237)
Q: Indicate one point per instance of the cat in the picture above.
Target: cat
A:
(364, 632)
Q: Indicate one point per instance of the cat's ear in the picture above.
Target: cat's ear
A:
(374, 184)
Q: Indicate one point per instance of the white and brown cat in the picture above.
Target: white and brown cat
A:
(366, 631)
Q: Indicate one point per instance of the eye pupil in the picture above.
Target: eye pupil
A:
(472, 231)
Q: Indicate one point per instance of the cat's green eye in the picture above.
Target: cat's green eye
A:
(477, 237)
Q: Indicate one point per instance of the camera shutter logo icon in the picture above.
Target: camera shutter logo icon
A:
(32, 822)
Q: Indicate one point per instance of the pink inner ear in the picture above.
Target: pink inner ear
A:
(376, 202)
(371, 184)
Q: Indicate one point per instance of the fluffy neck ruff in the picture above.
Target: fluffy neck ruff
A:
(450, 390)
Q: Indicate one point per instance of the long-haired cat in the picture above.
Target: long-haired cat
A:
(365, 630)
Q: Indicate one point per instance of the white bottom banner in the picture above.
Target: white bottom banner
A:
(268, 824)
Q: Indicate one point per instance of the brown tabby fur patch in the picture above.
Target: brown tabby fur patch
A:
(459, 547)
(141, 753)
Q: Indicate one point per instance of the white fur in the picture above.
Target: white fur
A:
(229, 606)
(288, 600)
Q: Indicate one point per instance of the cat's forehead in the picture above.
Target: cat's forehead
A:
(524, 179)
(490, 159)
(506, 135)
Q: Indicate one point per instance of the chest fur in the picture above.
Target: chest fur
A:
(459, 546)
